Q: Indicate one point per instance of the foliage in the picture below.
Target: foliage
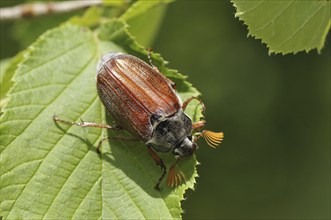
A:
(51, 170)
(286, 26)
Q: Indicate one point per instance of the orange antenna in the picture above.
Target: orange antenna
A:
(213, 139)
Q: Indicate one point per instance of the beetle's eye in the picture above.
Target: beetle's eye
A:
(185, 148)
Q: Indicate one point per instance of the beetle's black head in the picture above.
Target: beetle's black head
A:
(184, 148)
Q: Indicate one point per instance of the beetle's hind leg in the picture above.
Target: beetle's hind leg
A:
(96, 125)
(158, 162)
(84, 124)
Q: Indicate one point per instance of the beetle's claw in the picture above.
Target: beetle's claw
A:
(157, 187)
(55, 118)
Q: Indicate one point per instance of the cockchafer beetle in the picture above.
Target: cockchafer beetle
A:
(142, 101)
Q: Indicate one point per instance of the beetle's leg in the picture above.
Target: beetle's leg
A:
(85, 124)
(190, 99)
(158, 162)
(175, 176)
(149, 52)
(198, 125)
(169, 81)
(114, 138)
(197, 136)
(92, 124)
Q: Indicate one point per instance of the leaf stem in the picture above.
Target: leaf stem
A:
(37, 9)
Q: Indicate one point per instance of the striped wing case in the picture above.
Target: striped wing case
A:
(134, 93)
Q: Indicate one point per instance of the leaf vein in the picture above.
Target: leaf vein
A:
(276, 16)
(24, 106)
(96, 182)
(57, 96)
(69, 83)
(319, 27)
(66, 181)
(127, 192)
(138, 162)
(33, 89)
(14, 120)
(52, 58)
(12, 185)
(299, 28)
(25, 163)
(252, 8)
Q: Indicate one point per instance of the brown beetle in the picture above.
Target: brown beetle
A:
(143, 101)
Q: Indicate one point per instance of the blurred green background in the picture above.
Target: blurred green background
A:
(275, 159)
(275, 112)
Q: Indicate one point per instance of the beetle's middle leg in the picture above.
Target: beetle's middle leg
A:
(158, 162)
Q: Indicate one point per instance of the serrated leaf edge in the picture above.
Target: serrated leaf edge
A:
(270, 50)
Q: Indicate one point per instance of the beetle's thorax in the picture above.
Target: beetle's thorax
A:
(170, 131)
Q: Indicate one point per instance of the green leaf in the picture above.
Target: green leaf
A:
(90, 18)
(115, 3)
(144, 18)
(3, 67)
(51, 170)
(141, 7)
(8, 68)
(286, 26)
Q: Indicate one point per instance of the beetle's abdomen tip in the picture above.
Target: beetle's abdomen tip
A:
(105, 58)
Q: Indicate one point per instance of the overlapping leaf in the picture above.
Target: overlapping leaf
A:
(286, 26)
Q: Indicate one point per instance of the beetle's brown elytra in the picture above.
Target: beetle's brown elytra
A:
(143, 102)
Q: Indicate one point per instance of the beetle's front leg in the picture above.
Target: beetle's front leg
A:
(159, 162)
(190, 99)
(198, 125)
(213, 138)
